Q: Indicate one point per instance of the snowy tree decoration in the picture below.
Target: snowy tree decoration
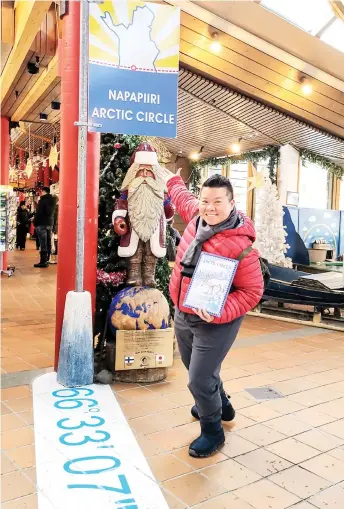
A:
(271, 233)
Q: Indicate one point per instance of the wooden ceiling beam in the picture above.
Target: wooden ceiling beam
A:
(338, 8)
(7, 31)
(28, 19)
(45, 80)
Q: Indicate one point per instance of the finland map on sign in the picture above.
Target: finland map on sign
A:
(129, 55)
(135, 35)
(133, 68)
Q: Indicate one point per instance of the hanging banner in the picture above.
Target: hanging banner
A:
(133, 68)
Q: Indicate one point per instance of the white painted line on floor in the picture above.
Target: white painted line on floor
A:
(86, 453)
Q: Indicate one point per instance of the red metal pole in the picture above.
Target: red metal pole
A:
(91, 215)
(68, 177)
(5, 165)
(5, 150)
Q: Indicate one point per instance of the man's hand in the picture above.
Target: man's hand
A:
(202, 313)
(167, 174)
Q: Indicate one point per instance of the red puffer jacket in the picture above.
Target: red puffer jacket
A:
(248, 281)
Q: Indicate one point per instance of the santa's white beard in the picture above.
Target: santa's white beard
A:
(145, 206)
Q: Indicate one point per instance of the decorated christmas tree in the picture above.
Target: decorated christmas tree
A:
(271, 234)
(115, 154)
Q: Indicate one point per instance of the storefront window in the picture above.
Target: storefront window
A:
(261, 167)
(313, 187)
(237, 174)
(238, 177)
(214, 171)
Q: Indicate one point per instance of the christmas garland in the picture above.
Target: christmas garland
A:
(323, 162)
(112, 279)
(270, 153)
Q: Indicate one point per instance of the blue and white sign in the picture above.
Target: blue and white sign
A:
(315, 224)
(86, 453)
(133, 68)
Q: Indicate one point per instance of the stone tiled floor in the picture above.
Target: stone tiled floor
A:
(28, 313)
(283, 453)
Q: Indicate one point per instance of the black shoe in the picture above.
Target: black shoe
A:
(43, 263)
(228, 412)
(211, 439)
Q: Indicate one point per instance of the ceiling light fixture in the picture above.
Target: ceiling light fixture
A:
(43, 116)
(306, 86)
(196, 155)
(215, 45)
(235, 147)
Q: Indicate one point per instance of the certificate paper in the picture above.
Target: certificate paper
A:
(210, 283)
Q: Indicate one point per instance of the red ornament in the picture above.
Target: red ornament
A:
(117, 145)
(120, 226)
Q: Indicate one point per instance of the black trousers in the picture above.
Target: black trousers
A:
(44, 237)
(22, 231)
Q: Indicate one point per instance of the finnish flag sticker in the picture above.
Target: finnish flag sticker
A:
(128, 361)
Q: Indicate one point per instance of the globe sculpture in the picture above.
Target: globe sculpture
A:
(137, 308)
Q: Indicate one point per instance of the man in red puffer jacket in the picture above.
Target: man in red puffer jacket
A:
(213, 226)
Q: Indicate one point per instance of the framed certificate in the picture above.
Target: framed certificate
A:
(210, 283)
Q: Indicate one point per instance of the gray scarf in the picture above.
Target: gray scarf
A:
(205, 232)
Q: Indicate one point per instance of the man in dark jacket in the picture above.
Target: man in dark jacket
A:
(23, 217)
(44, 221)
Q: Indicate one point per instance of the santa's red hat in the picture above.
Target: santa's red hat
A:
(145, 154)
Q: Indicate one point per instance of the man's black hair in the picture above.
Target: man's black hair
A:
(220, 181)
(22, 203)
(46, 189)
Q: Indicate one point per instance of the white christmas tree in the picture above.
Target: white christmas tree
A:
(271, 233)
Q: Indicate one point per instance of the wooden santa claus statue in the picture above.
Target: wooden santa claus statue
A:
(140, 216)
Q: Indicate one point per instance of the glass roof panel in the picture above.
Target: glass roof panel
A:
(314, 16)
(310, 15)
(334, 35)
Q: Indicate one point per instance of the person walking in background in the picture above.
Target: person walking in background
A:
(213, 226)
(43, 222)
(23, 224)
(54, 242)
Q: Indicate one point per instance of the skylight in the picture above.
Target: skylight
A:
(314, 16)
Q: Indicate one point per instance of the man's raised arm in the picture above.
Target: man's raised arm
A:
(183, 200)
